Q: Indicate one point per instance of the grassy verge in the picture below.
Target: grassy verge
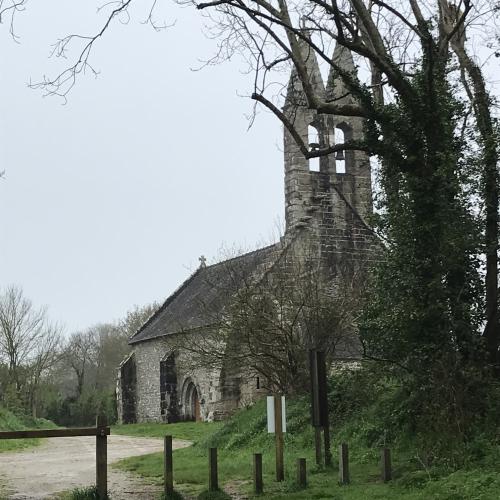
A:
(189, 431)
(245, 434)
(11, 422)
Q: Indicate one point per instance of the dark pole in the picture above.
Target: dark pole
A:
(257, 474)
(278, 433)
(168, 472)
(101, 458)
(318, 445)
(213, 479)
(386, 465)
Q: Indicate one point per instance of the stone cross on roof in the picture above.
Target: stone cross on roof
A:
(203, 261)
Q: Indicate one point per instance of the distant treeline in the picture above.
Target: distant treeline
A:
(65, 379)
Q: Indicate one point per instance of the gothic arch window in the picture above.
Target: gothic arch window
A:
(313, 142)
(343, 159)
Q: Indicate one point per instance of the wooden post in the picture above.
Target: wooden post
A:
(257, 473)
(319, 404)
(343, 464)
(318, 446)
(386, 465)
(301, 473)
(326, 438)
(168, 472)
(213, 480)
(278, 429)
(101, 442)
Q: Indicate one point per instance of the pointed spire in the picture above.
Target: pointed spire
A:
(336, 88)
(295, 92)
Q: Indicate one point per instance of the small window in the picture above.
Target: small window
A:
(340, 155)
(314, 144)
(257, 380)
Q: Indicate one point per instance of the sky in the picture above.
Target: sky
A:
(109, 200)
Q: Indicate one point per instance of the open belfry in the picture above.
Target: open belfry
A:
(328, 202)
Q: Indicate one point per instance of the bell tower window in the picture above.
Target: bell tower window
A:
(340, 155)
(314, 144)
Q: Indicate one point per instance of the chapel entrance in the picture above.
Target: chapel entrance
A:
(193, 409)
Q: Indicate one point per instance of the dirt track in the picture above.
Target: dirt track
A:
(64, 463)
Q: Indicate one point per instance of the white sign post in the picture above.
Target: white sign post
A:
(271, 417)
(276, 424)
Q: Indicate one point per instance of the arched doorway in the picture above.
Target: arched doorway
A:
(192, 403)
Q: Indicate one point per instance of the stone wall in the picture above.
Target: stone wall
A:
(148, 356)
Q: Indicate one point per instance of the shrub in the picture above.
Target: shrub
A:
(88, 493)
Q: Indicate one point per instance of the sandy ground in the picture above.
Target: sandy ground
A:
(64, 463)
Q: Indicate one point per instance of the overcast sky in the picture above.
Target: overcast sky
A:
(109, 200)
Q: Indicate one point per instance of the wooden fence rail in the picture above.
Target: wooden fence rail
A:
(101, 431)
(48, 433)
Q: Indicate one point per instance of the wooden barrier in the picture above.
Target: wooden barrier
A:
(101, 431)
(168, 471)
(343, 464)
(213, 479)
(301, 473)
(49, 433)
(258, 484)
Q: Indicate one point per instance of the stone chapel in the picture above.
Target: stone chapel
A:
(327, 205)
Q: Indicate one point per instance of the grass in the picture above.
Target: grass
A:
(245, 434)
(86, 493)
(189, 431)
(11, 422)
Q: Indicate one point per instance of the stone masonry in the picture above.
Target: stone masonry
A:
(325, 210)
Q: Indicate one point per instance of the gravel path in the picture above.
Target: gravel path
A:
(60, 464)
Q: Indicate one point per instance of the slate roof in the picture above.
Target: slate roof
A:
(198, 301)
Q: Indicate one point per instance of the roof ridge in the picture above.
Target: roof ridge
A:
(246, 254)
(186, 282)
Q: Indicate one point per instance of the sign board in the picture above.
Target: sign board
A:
(270, 414)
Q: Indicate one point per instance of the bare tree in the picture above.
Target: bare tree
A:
(94, 353)
(81, 354)
(8, 12)
(45, 357)
(135, 318)
(29, 343)
(21, 328)
(271, 320)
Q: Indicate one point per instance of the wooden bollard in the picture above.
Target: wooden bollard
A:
(301, 473)
(258, 484)
(343, 464)
(318, 446)
(213, 479)
(168, 470)
(386, 465)
(101, 458)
